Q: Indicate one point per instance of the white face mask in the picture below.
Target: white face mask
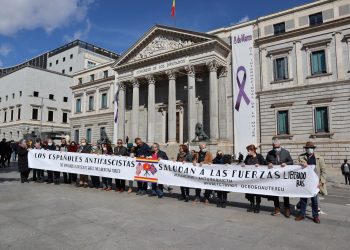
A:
(83, 143)
(310, 151)
(204, 150)
(277, 149)
(50, 144)
(104, 149)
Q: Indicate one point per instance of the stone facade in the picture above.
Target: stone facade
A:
(94, 90)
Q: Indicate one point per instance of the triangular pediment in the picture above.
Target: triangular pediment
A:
(162, 40)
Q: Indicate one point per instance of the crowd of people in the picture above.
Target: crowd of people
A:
(278, 156)
(8, 152)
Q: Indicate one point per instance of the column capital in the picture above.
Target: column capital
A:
(121, 85)
(150, 79)
(223, 72)
(212, 65)
(171, 74)
(190, 70)
(135, 83)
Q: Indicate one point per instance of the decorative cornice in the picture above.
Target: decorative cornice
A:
(171, 74)
(223, 72)
(320, 100)
(121, 85)
(281, 105)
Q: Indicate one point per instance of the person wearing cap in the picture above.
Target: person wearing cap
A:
(279, 156)
(306, 159)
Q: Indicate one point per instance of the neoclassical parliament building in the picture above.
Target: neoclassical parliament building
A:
(172, 79)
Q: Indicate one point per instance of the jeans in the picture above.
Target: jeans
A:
(276, 202)
(157, 190)
(314, 206)
(347, 179)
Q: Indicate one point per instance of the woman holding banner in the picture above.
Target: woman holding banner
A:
(184, 156)
(107, 182)
(23, 161)
(253, 158)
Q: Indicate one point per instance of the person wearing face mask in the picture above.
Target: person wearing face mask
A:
(142, 150)
(253, 158)
(23, 167)
(73, 147)
(222, 195)
(279, 156)
(184, 156)
(120, 150)
(203, 157)
(95, 180)
(107, 182)
(50, 174)
(306, 159)
(156, 155)
(84, 148)
(38, 174)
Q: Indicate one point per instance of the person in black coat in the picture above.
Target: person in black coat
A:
(38, 174)
(158, 154)
(142, 150)
(279, 156)
(3, 152)
(222, 195)
(184, 156)
(23, 167)
(253, 158)
(120, 150)
(50, 174)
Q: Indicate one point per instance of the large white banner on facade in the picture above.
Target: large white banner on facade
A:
(243, 89)
(290, 181)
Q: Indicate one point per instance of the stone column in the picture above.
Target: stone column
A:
(172, 106)
(339, 55)
(213, 100)
(135, 108)
(222, 105)
(191, 102)
(121, 111)
(151, 117)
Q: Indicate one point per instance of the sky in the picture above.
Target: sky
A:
(31, 27)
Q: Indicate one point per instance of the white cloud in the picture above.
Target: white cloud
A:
(80, 34)
(244, 19)
(4, 50)
(17, 15)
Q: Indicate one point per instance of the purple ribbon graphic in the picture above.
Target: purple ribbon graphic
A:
(241, 85)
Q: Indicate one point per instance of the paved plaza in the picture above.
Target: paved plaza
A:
(41, 216)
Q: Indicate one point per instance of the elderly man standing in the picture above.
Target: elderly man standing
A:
(279, 156)
(306, 159)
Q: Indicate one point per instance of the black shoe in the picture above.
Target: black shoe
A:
(250, 208)
(187, 199)
(257, 208)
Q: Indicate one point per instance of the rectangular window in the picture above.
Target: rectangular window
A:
(70, 69)
(65, 99)
(71, 56)
(50, 64)
(105, 74)
(321, 120)
(13, 95)
(20, 93)
(92, 78)
(91, 103)
(76, 135)
(36, 94)
(104, 100)
(282, 122)
(35, 114)
(316, 19)
(63, 71)
(318, 62)
(80, 80)
(50, 116)
(88, 135)
(279, 28)
(5, 116)
(64, 59)
(19, 114)
(51, 96)
(65, 117)
(0, 99)
(78, 105)
(281, 68)
(11, 115)
(56, 61)
(7, 97)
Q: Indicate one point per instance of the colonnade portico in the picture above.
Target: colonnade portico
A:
(213, 66)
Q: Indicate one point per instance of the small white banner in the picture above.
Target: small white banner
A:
(290, 181)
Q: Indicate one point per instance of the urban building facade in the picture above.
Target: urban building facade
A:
(303, 78)
(93, 103)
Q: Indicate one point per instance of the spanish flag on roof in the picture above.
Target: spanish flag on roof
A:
(173, 8)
